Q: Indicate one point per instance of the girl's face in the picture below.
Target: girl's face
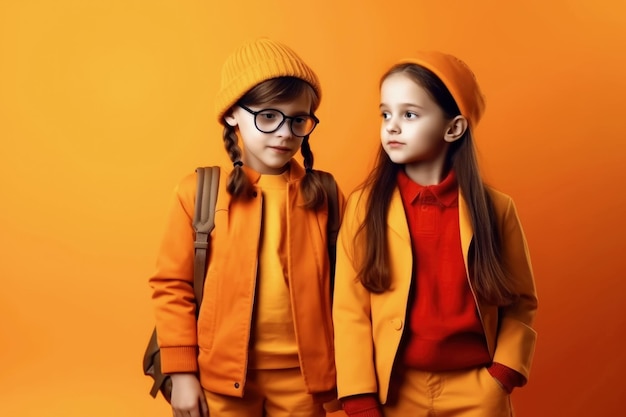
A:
(269, 153)
(414, 128)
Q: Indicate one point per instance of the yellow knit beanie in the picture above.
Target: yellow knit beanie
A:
(257, 61)
(458, 78)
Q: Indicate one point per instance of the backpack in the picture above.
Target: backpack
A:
(203, 224)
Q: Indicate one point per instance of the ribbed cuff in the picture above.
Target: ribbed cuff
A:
(365, 405)
(508, 377)
(179, 359)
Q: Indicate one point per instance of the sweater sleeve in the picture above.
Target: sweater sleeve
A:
(172, 285)
(508, 378)
(365, 405)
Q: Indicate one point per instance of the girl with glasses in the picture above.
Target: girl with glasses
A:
(434, 298)
(262, 344)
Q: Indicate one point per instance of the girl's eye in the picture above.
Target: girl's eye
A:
(268, 115)
(385, 115)
(410, 115)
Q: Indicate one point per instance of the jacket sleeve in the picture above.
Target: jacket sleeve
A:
(354, 347)
(172, 284)
(516, 337)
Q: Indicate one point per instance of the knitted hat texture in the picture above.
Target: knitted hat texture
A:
(458, 78)
(257, 61)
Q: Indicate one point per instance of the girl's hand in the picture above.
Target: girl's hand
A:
(187, 396)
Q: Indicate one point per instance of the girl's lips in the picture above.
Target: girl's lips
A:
(280, 149)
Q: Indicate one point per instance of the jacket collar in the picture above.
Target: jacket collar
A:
(465, 226)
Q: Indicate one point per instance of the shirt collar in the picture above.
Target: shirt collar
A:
(445, 193)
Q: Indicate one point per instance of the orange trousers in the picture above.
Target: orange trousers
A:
(269, 393)
(467, 393)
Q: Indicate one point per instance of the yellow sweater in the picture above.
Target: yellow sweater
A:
(273, 344)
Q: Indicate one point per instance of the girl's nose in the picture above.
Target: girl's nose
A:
(392, 126)
(285, 130)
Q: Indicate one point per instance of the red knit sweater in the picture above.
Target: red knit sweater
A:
(445, 330)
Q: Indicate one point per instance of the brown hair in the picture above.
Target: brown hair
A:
(274, 90)
(487, 271)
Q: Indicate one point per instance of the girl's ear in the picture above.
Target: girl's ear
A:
(456, 128)
(230, 119)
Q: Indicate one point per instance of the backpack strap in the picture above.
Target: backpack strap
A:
(332, 228)
(208, 179)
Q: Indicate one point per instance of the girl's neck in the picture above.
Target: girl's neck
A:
(426, 172)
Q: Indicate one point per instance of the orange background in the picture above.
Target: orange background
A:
(105, 105)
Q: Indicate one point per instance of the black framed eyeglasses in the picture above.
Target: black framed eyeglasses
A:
(270, 120)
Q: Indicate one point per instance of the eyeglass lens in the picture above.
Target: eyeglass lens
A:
(270, 120)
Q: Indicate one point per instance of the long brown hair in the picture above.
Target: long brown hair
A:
(274, 90)
(487, 271)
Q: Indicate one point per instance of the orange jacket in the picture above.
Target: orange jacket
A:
(216, 344)
(368, 326)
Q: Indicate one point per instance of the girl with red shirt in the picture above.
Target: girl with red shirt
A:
(434, 292)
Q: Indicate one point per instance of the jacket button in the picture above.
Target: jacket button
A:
(397, 324)
(254, 194)
(237, 385)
